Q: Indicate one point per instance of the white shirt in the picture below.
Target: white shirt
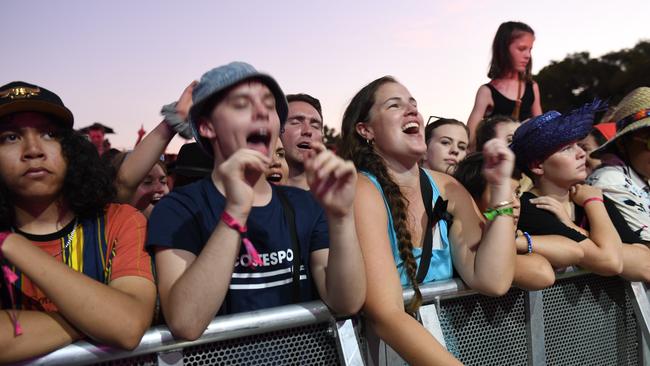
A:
(631, 194)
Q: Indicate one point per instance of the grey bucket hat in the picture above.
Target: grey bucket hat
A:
(223, 77)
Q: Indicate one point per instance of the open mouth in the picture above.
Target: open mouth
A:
(411, 128)
(274, 177)
(304, 145)
(259, 140)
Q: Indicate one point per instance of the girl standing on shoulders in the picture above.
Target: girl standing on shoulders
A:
(511, 90)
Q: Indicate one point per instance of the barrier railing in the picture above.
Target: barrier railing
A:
(583, 319)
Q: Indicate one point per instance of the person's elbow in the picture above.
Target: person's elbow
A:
(347, 308)
(184, 329)
(492, 287)
(611, 266)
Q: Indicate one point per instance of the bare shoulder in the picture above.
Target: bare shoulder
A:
(447, 185)
(368, 199)
(484, 91)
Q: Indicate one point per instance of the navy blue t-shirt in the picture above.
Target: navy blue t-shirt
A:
(185, 219)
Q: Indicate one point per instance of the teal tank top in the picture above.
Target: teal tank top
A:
(441, 266)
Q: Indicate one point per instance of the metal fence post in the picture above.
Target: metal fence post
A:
(347, 343)
(171, 358)
(535, 328)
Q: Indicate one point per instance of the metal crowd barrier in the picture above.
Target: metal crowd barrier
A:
(583, 319)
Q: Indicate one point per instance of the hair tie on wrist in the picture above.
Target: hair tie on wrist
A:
(10, 279)
(591, 199)
(232, 223)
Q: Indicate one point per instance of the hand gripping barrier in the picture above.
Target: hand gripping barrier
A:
(583, 319)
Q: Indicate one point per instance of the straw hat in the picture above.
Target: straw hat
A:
(632, 113)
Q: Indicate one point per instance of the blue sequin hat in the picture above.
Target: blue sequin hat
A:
(541, 136)
(219, 80)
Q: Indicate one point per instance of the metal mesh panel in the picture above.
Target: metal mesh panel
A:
(481, 330)
(309, 345)
(589, 320)
(144, 360)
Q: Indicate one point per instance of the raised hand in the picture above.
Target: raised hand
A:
(581, 192)
(331, 180)
(239, 173)
(499, 162)
(185, 101)
(555, 207)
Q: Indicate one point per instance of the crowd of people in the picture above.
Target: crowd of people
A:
(259, 213)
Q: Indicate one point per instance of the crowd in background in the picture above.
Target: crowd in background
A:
(258, 213)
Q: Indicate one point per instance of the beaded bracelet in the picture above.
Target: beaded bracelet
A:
(492, 213)
(529, 240)
(232, 223)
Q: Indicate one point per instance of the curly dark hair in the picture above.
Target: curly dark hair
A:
(353, 147)
(87, 186)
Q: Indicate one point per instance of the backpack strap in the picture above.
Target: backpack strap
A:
(427, 198)
(290, 216)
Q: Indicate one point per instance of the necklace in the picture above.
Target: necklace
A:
(68, 239)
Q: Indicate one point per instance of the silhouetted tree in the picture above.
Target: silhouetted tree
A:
(330, 137)
(579, 78)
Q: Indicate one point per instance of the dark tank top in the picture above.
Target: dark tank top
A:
(505, 106)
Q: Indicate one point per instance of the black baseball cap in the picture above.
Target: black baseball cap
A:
(19, 96)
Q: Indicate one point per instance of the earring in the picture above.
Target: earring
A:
(370, 142)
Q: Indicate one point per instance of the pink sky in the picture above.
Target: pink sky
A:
(118, 61)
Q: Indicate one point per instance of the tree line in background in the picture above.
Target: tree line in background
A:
(578, 79)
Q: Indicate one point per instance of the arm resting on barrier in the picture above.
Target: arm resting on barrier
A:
(533, 272)
(117, 314)
(483, 252)
(42, 333)
(559, 250)
(193, 288)
(338, 271)
(636, 262)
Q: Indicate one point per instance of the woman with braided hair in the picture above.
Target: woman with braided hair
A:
(383, 134)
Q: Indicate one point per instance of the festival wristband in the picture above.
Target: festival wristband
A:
(591, 200)
(10, 279)
(232, 223)
(492, 213)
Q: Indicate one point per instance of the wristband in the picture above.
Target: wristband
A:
(232, 223)
(10, 279)
(592, 199)
(529, 240)
(492, 213)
